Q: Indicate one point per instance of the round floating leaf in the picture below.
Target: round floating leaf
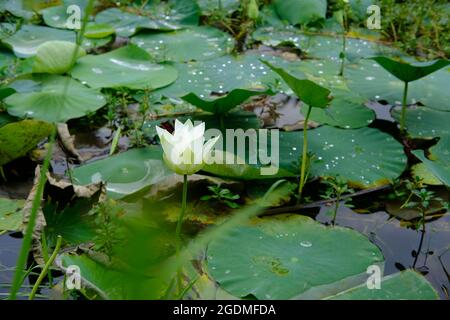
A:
(128, 67)
(223, 104)
(25, 42)
(56, 57)
(10, 214)
(365, 157)
(126, 24)
(222, 75)
(195, 43)
(54, 99)
(410, 72)
(18, 138)
(405, 285)
(346, 110)
(125, 173)
(58, 16)
(425, 123)
(301, 11)
(285, 257)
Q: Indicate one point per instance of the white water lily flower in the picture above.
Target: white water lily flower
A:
(185, 151)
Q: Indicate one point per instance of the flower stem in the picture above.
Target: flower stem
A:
(183, 207)
(304, 154)
(403, 116)
(46, 268)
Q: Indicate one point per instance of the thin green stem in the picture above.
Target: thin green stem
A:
(336, 208)
(304, 155)
(26, 242)
(46, 268)
(183, 207)
(403, 116)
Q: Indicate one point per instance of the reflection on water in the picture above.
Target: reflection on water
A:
(400, 245)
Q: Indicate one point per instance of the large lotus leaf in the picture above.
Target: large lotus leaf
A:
(55, 99)
(72, 223)
(365, 157)
(426, 176)
(370, 80)
(221, 75)
(425, 123)
(126, 24)
(18, 138)
(271, 36)
(346, 110)
(195, 43)
(410, 72)
(109, 282)
(223, 104)
(128, 67)
(282, 258)
(301, 11)
(125, 173)
(58, 17)
(56, 57)
(10, 214)
(405, 285)
(25, 42)
(308, 91)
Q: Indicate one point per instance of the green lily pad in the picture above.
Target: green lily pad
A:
(222, 75)
(405, 285)
(365, 157)
(10, 214)
(301, 11)
(57, 16)
(55, 99)
(425, 123)
(128, 67)
(223, 104)
(19, 8)
(126, 24)
(126, 172)
(439, 169)
(274, 254)
(25, 42)
(426, 176)
(73, 223)
(18, 138)
(195, 43)
(410, 72)
(56, 57)
(346, 110)
(372, 81)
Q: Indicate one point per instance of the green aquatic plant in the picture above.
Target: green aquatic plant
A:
(409, 72)
(314, 96)
(222, 195)
(336, 188)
